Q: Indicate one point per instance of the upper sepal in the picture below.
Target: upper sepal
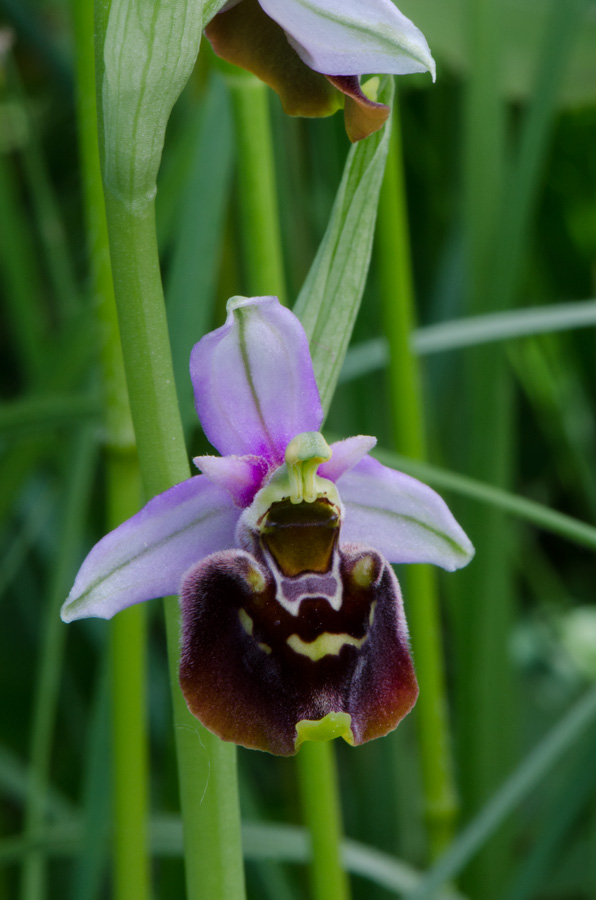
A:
(253, 381)
(313, 53)
(350, 37)
(402, 517)
(147, 555)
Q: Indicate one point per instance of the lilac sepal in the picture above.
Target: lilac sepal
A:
(352, 37)
(147, 555)
(345, 455)
(406, 521)
(240, 476)
(253, 381)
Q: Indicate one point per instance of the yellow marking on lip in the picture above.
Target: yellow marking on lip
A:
(333, 725)
(255, 580)
(364, 571)
(325, 644)
(248, 625)
(245, 621)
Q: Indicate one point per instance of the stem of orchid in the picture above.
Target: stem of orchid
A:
(262, 245)
(207, 773)
(319, 789)
(408, 420)
(206, 766)
(486, 604)
(129, 718)
(128, 631)
(258, 194)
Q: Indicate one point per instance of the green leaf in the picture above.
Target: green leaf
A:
(149, 52)
(330, 298)
(457, 334)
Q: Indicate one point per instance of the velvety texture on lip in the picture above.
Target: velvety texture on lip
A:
(243, 678)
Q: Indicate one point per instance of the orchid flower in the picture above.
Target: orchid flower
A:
(293, 626)
(312, 53)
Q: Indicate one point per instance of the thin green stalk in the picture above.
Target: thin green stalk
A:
(206, 766)
(208, 788)
(260, 234)
(497, 231)
(397, 295)
(34, 884)
(128, 637)
(319, 790)
(129, 712)
(145, 344)
(484, 606)
(259, 214)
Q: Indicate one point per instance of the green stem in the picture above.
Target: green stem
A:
(319, 789)
(127, 632)
(206, 766)
(259, 215)
(397, 296)
(208, 781)
(207, 773)
(129, 715)
(485, 605)
(145, 344)
(260, 235)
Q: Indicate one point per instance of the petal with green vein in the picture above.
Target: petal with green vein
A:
(402, 518)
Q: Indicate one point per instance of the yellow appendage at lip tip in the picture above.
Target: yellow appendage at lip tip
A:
(333, 725)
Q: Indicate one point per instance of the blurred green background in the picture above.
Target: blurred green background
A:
(500, 172)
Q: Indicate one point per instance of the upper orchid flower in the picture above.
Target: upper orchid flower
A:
(312, 52)
(292, 619)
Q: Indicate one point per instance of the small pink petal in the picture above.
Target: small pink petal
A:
(345, 455)
(240, 476)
